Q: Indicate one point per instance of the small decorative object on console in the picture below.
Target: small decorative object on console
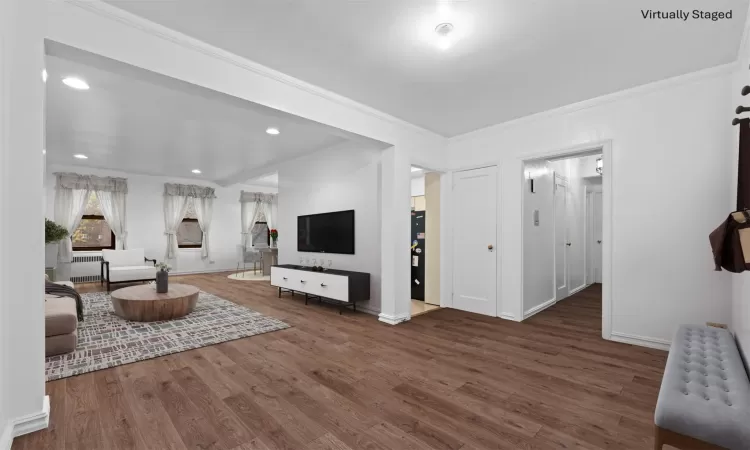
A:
(162, 277)
(274, 236)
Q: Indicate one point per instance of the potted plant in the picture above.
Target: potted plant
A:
(274, 236)
(53, 233)
(162, 277)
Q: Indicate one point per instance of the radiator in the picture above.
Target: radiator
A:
(85, 269)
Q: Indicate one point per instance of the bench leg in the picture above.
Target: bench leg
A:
(658, 438)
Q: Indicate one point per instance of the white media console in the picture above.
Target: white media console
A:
(343, 286)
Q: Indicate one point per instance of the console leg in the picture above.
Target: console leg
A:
(279, 292)
(305, 298)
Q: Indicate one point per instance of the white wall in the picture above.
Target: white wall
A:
(417, 186)
(146, 218)
(669, 143)
(538, 241)
(21, 229)
(337, 179)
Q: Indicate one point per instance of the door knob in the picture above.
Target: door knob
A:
(568, 244)
(490, 247)
(599, 242)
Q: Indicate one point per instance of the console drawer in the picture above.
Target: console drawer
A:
(326, 285)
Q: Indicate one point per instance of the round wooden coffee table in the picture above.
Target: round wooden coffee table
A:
(143, 304)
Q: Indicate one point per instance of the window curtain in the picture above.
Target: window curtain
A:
(249, 212)
(270, 210)
(175, 205)
(111, 193)
(69, 206)
(253, 206)
(204, 209)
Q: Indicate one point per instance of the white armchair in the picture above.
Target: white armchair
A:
(125, 266)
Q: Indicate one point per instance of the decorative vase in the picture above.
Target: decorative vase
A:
(162, 282)
(273, 243)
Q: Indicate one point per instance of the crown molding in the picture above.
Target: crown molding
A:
(637, 91)
(110, 12)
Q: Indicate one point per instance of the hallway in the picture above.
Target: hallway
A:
(581, 312)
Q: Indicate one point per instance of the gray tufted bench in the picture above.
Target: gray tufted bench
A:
(704, 400)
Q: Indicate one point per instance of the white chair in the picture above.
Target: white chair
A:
(125, 266)
(248, 255)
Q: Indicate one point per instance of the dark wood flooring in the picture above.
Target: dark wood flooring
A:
(446, 380)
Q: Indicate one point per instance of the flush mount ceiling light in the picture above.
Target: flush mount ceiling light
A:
(272, 130)
(196, 171)
(80, 156)
(44, 75)
(443, 32)
(75, 83)
(415, 169)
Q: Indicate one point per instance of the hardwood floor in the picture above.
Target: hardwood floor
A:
(447, 380)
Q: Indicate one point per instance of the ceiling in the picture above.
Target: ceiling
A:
(140, 122)
(512, 58)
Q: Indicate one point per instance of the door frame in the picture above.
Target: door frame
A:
(560, 179)
(447, 229)
(605, 148)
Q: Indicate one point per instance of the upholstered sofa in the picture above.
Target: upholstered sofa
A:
(126, 266)
(60, 324)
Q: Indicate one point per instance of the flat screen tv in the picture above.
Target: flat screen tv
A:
(331, 232)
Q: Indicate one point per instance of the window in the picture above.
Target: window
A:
(189, 234)
(261, 234)
(93, 233)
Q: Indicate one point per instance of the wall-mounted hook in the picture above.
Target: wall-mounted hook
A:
(741, 109)
(746, 90)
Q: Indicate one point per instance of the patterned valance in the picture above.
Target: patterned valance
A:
(261, 197)
(188, 190)
(91, 182)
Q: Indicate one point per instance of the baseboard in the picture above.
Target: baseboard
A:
(393, 320)
(507, 316)
(367, 310)
(531, 311)
(25, 425)
(643, 341)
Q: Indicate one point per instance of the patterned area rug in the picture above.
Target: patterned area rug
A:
(105, 340)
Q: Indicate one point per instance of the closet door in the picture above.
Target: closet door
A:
(561, 238)
(474, 241)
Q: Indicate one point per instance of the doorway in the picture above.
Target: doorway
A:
(424, 244)
(563, 232)
(475, 240)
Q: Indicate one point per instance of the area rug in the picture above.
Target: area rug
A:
(106, 340)
(249, 276)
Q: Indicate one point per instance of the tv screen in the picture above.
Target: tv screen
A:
(326, 233)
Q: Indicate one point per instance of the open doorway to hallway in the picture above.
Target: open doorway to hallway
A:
(424, 243)
(563, 225)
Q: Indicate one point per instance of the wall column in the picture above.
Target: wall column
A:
(23, 407)
(395, 178)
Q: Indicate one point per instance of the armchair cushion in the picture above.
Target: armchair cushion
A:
(129, 273)
(123, 258)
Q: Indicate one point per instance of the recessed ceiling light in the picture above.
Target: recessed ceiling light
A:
(75, 83)
(80, 156)
(443, 32)
(415, 169)
(196, 171)
(272, 130)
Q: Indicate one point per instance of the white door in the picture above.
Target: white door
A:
(474, 245)
(596, 244)
(561, 238)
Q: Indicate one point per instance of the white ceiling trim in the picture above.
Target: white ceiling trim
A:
(637, 91)
(111, 12)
